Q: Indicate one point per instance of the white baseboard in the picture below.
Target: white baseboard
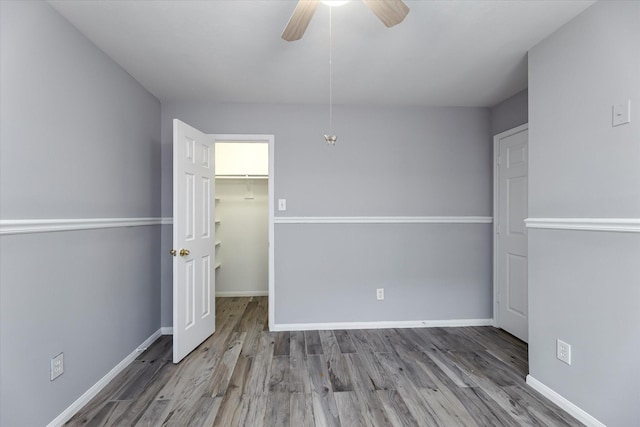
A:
(380, 325)
(226, 294)
(102, 383)
(166, 330)
(563, 403)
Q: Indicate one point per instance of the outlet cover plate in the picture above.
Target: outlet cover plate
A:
(57, 366)
(563, 352)
(380, 293)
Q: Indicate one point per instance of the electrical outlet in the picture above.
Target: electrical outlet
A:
(563, 352)
(57, 366)
(380, 293)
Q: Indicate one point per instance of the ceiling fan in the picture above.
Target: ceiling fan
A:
(390, 12)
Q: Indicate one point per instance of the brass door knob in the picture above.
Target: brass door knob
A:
(184, 252)
(172, 252)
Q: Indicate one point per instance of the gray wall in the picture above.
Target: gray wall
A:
(584, 285)
(79, 139)
(511, 112)
(388, 162)
(330, 272)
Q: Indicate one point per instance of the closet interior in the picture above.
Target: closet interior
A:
(242, 218)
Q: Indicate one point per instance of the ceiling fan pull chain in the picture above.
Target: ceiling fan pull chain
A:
(330, 71)
(330, 138)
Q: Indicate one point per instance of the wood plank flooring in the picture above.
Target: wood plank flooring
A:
(245, 375)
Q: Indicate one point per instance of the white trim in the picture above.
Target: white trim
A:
(272, 262)
(380, 325)
(166, 330)
(626, 225)
(102, 383)
(383, 220)
(225, 294)
(26, 226)
(578, 413)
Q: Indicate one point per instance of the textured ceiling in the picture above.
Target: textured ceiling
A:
(445, 53)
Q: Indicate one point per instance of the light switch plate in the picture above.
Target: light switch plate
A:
(622, 113)
(282, 204)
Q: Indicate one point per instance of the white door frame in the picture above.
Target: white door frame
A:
(496, 193)
(270, 139)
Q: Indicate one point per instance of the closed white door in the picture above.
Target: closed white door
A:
(193, 238)
(511, 234)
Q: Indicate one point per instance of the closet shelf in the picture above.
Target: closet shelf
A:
(242, 176)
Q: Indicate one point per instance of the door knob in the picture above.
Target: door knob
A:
(172, 252)
(184, 252)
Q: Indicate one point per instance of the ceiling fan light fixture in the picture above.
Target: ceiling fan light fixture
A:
(390, 12)
(335, 3)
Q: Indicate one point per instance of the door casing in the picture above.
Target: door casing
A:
(270, 139)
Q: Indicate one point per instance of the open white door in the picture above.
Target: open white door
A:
(193, 238)
(510, 193)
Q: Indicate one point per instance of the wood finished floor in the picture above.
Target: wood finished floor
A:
(245, 375)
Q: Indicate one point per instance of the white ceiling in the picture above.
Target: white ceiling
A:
(445, 53)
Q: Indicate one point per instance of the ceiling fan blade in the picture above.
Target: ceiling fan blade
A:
(299, 20)
(390, 12)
